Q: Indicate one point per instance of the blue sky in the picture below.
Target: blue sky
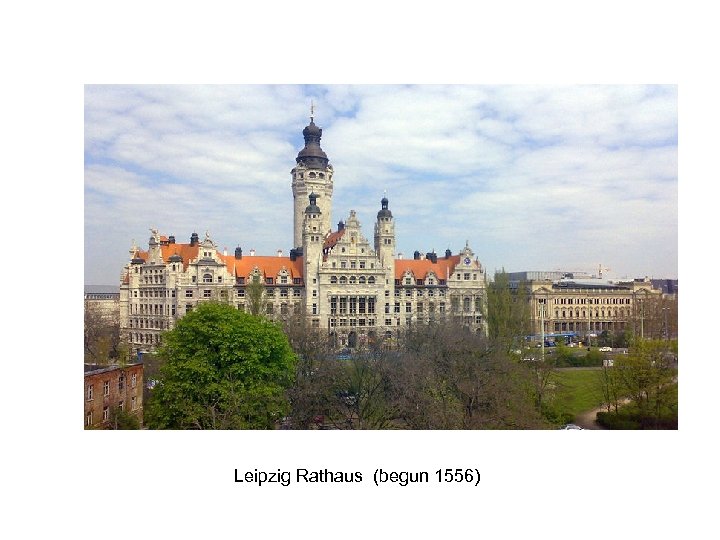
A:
(534, 177)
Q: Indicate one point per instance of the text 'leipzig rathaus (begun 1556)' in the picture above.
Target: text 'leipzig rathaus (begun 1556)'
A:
(359, 292)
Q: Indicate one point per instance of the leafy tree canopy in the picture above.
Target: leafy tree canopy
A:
(222, 369)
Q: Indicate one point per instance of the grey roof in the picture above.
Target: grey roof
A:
(95, 289)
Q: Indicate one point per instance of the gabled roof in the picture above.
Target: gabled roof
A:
(333, 239)
(421, 268)
(269, 266)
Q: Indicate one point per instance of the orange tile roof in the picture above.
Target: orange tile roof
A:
(421, 268)
(333, 239)
(270, 266)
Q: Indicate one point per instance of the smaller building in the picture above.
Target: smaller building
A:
(586, 306)
(103, 300)
(109, 389)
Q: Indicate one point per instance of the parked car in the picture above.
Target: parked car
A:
(605, 349)
(571, 426)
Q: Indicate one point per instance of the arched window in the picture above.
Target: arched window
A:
(353, 280)
(361, 280)
(371, 280)
(333, 279)
(207, 278)
(343, 280)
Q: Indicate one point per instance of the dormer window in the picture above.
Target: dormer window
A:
(207, 278)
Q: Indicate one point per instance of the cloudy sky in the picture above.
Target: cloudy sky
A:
(533, 177)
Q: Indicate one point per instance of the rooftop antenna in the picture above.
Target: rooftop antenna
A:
(312, 110)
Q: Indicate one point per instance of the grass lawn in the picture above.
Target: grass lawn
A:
(577, 390)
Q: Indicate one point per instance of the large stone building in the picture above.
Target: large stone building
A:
(563, 304)
(357, 290)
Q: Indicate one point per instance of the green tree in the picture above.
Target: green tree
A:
(121, 419)
(508, 314)
(649, 378)
(102, 343)
(221, 369)
(255, 293)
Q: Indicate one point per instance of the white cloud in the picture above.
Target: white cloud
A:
(591, 171)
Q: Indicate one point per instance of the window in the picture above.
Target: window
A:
(90, 392)
(206, 293)
(133, 404)
(133, 380)
(207, 278)
(121, 405)
(88, 419)
(121, 382)
(106, 413)
(269, 281)
(188, 293)
(106, 388)
(241, 293)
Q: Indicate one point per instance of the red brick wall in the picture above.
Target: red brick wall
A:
(112, 375)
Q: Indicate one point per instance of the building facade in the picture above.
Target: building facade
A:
(359, 291)
(587, 306)
(110, 388)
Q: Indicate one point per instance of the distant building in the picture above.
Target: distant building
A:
(104, 300)
(585, 306)
(669, 287)
(357, 290)
(112, 387)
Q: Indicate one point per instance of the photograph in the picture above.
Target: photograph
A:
(381, 257)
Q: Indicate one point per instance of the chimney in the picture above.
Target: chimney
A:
(279, 253)
(252, 252)
(448, 253)
(416, 255)
(171, 239)
(293, 254)
(341, 225)
(194, 240)
(400, 256)
(238, 252)
(225, 251)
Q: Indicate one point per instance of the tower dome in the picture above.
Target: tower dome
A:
(313, 208)
(312, 155)
(384, 212)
